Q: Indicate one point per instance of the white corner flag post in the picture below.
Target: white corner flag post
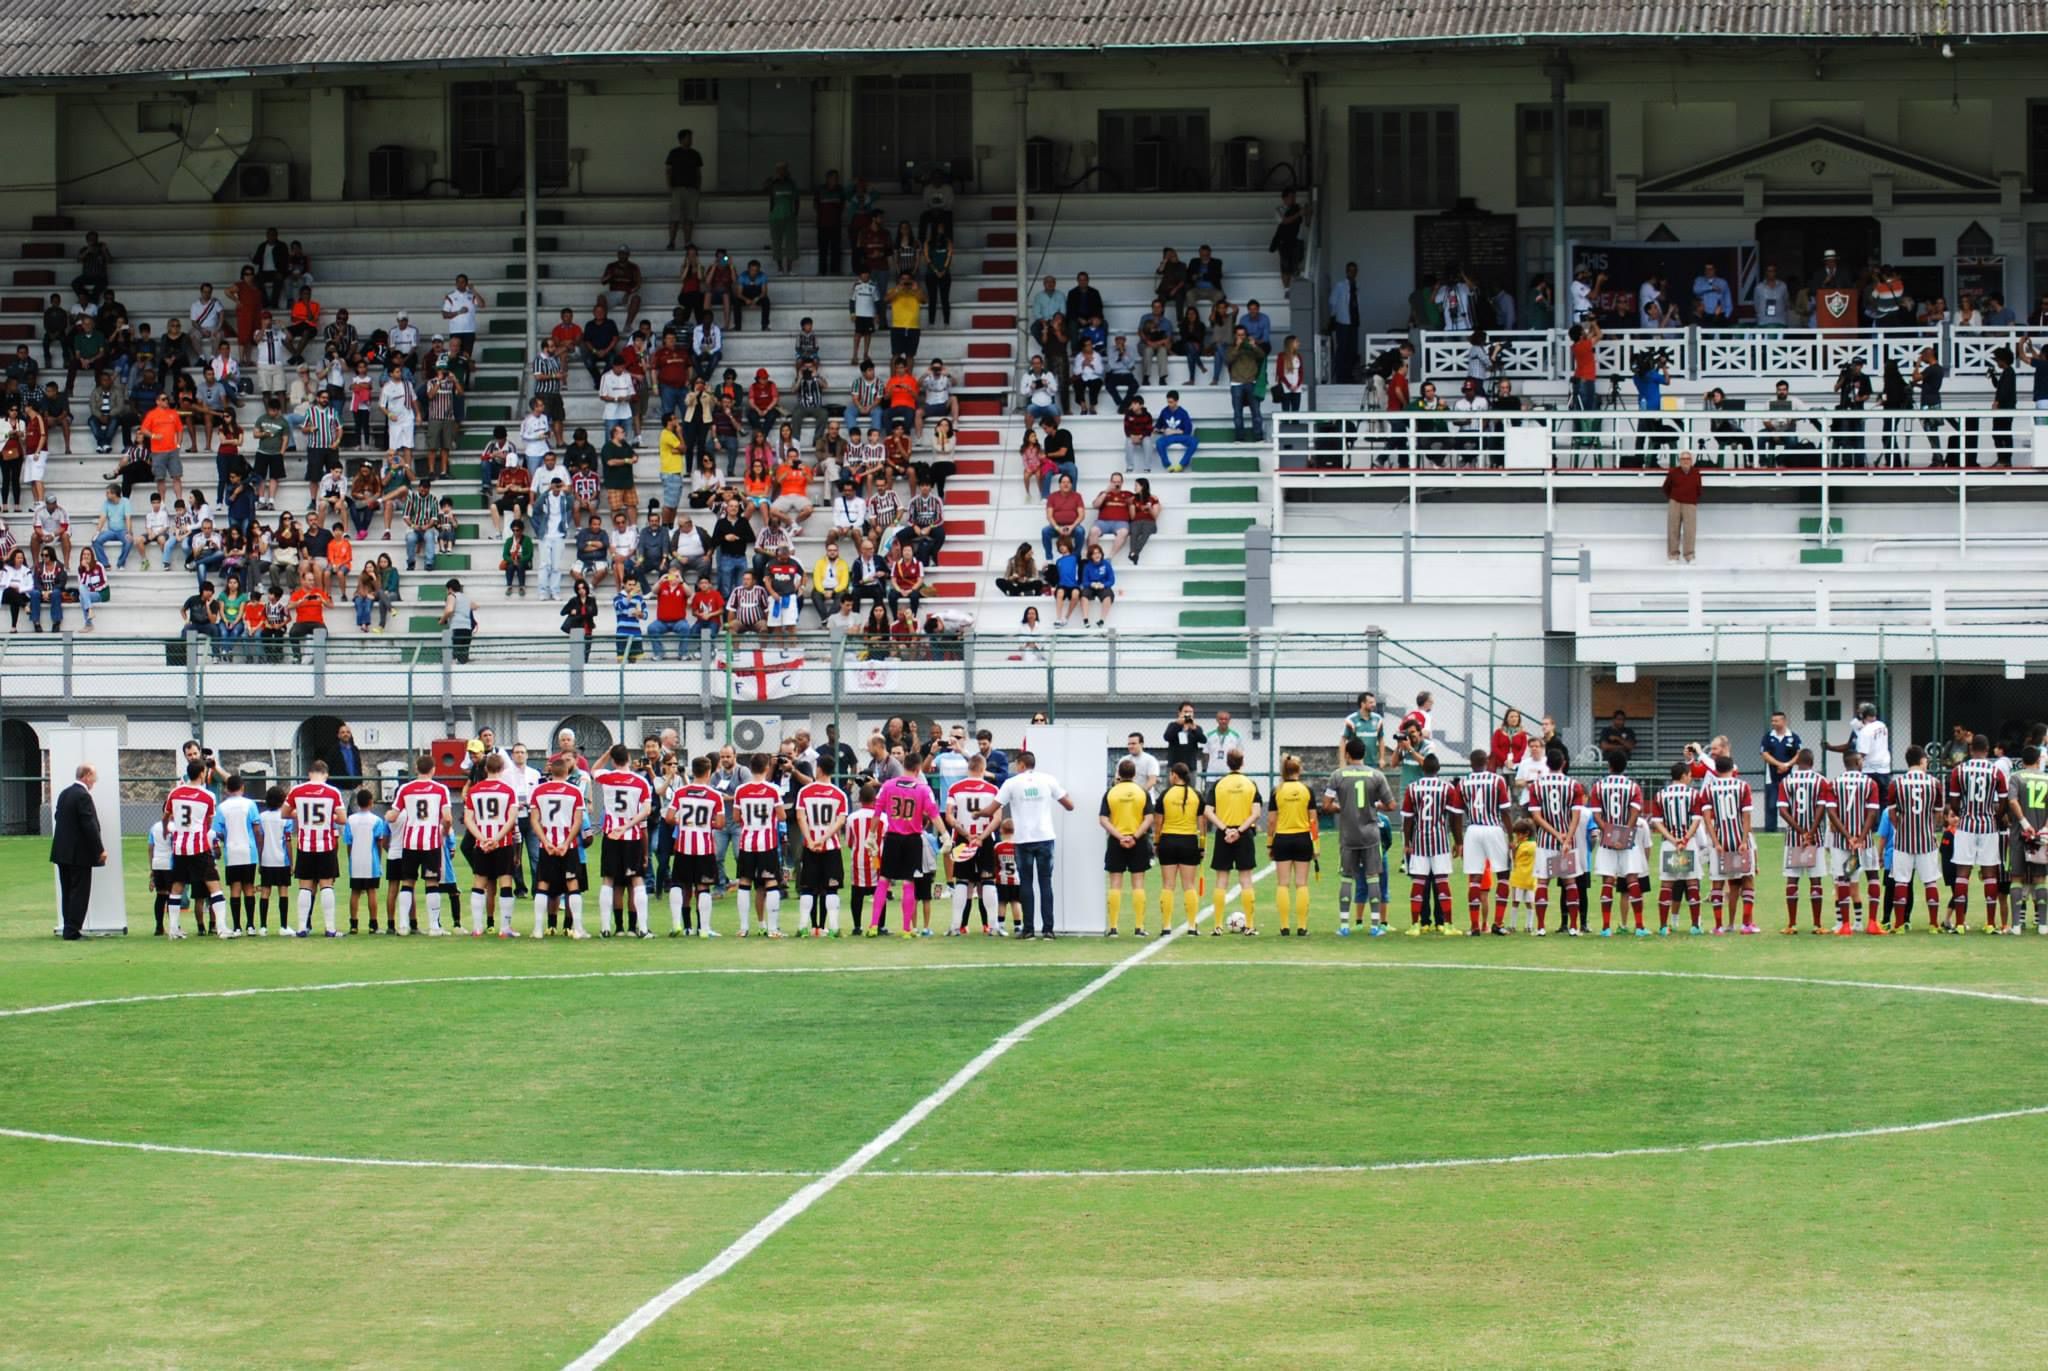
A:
(1077, 756)
(71, 747)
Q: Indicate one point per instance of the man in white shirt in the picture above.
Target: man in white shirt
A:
(1026, 799)
(1772, 299)
(615, 388)
(460, 307)
(1147, 765)
(1583, 286)
(1223, 740)
(270, 349)
(1870, 739)
(207, 317)
(405, 339)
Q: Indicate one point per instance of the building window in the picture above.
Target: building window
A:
(488, 124)
(2037, 144)
(903, 126)
(1154, 149)
(1585, 143)
(1404, 158)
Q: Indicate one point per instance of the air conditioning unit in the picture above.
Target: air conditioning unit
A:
(754, 733)
(1242, 166)
(263, 181)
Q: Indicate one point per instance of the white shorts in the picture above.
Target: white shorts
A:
(1719, 875)
(1815, 867)
(269, 380)
(1977, 849)
(1546, 866)
(1924, 867)
(1439, 865)
(401, 434)
(1486, 843)
(1689, 869)
(1619, 861)
(1844, 862)
(782, 611)
(34, 465)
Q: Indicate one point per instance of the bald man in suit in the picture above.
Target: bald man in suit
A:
(76, 847)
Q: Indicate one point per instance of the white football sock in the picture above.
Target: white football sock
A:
(174, 909)
(476, 909)
(640, 907)
(434, 909)
(774, 902)
(805, 903)
(576, 910)
(604, 908)
(540, 915)
(746, 903)
(305, 908)
(704, 914)
(960, 906)
(403, 916)
(675, 907)
(989, 917)
(327, 906)
(832, 911)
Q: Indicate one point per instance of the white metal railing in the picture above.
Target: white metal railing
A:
(1820, 607)
(1727, 355)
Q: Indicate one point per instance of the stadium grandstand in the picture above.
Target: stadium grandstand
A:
(1496, 268)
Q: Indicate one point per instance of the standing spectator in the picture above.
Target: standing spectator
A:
(1292, 218)
(1247, 367)
(460, 308)
(1186, 743)
(2004, 396)
(1779, 748)
(828, 206)
(782, 211)
(1681, 508)
(1771, 299)
(1871, 740)
(685, 171)
(935, 261)
(1713, 303)
(458, 616)
(906, 301)
(1026, 799)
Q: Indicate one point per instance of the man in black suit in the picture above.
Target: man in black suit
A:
(76, 848)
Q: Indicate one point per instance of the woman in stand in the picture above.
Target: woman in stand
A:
(1021, 576)
(1144, 517)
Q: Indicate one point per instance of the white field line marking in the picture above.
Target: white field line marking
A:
(248, 991)
(30, 1135)
(790, 1209)
(1454, 1163)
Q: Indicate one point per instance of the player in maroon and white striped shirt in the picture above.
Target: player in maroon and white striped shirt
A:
(1723, 808)
(1486, 796)
(1804, 802)
(1918, 817)
(1852, 826)
(1431, 814)
(1618, 805)
(1976, 795)
(424, 815)
(624, 800)
(558, 810)
(1680, 827)
(188, 825)
(1557, 806)
(695, 810)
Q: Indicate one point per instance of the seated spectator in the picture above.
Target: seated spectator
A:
(619, 284)
(513, 495)
(784, 577)
(629, 620)
(1021, 575)
(870, 575)
(1176, 430)
(1098, 587)
(1065, 580)
(671, 612)
(867, 458)
(937, 398)
(793, 489)
(1086, 373)
(764, 403)
(831, 580)
(601, 342)
(750, 291)
(1144, 517)
(1040, 390)
(900, 394)
(748, 606)
(906, 579)
(926, 518)
(1112, 514)
(1120, 373)
(707, 610)
(940, 468)
(1064, 511)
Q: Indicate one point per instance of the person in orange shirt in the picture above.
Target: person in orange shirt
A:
(309, 613)
(900, 392)
(793, 489)
(341, 560)
(163, 429)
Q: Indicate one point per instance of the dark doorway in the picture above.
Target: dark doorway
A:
(315, 743)
(1796, 245)
(1999, 708)
(21, 784)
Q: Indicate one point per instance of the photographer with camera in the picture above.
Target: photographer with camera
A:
(1652, 369)
(1852, 391)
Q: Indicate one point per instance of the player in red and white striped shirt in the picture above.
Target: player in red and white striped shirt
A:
(1723, 808)
(864, 842)
(1557, 806)
(1677, 823)
(1432, 813)
(1852, 827)
(1486, 796)
(558, 816)
(423, 814)
(758, 806)
(1804, 801)
(316, 809)
(491, 818)
(969, 815)
(1618, 804)
(624, 800)
(1976, 795)
(695, 811)
(188, 825)
(821, 864)
(1917, 820)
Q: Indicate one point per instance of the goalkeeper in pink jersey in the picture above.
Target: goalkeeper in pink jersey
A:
(907, 809)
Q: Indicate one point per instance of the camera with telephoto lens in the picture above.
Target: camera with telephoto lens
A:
(1649, 359)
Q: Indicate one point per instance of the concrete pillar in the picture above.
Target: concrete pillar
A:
(327, 153)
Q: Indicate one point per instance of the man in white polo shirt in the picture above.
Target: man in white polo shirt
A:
(1026, 800)
(1871, 740)
(460, 308)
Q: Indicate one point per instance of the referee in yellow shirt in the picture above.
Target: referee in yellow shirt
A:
(1233, 810)
(1291, 832)
(1128, 820)
(1179, 809)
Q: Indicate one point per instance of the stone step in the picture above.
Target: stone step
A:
(516, 271)
(1811, 525)
(1001, 323)
(34, 276)
(43, 252)
(1212, 590)
(975, 351)
(1210, 618)
(995, 295)
(1223, 495)
(1222, 523)
(1812, 556)
(980, 437)
(1210, 649)
(1215, 556)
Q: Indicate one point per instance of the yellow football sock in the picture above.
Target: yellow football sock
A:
(1301, 909)
(1190, 901)
(1116, 905)
(1138, 908)
(1285, 904)
(1251, 909)
(1219, 904)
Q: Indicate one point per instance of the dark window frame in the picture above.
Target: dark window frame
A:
(1418, 129)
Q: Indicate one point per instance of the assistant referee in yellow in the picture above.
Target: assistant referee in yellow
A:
(1233, 810)
(1128, 819)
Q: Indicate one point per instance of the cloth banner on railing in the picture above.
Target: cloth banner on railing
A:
(763, 673)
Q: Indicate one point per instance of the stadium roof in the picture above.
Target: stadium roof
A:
(67, 41)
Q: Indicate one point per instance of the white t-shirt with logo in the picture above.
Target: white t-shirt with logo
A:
(460, 309)
(1028, 798)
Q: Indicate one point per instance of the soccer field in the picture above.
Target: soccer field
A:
(1224, 1152)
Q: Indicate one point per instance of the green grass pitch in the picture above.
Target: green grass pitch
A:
(1094, 1198)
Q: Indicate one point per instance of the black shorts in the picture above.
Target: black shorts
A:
(624, 859)
(1116, 858)
(406, 867)
(922, 886)
(1180, 849)
(270, 466)
(1292, 847)
(824, 870)
(1241, 855)
(274, 877)
(1009, 894)
(494, 864)
(902, 855)
(761, 869)
(980, 868)
(863, 326)
(160, 882)
(691, 871)
(361, 883)
(194, 872)
(551, 405)
(242, 875)
(318, 460)
(557, 875)
(317, 866)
